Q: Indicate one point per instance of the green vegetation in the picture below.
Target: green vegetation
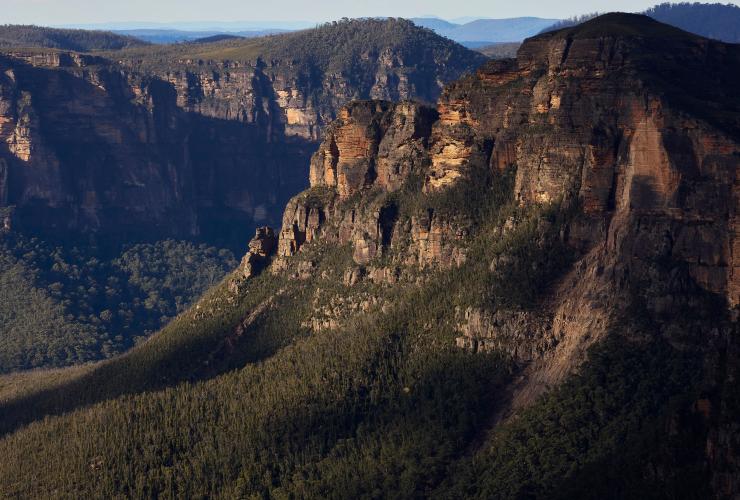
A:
(62, 306)
(384, 407)
(500, 50)
(35, 329)
(602, 434)
(18, 36)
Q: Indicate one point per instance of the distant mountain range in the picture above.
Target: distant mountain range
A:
(716, 20)
(487, 31)
(212, 26)
(162, 36)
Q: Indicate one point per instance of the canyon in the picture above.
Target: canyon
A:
(136, 146)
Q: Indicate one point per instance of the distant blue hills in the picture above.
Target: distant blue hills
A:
(482, 31)
(719, 21)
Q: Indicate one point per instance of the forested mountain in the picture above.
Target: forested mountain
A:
(527, 290)
(64, 39)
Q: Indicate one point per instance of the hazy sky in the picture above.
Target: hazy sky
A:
(55, 12)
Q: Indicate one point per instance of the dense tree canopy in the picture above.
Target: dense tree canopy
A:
(77, 40)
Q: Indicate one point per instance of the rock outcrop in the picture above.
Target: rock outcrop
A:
(372, 144)
(261, 248)
(373, 147)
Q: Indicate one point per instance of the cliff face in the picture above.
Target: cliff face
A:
(142, 148)
(633, 126)
(585, 123)
(286, 101)
(89, 148)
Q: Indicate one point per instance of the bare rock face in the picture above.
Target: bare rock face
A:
(372, 148)
(90, 148)
(437, 242)
(372, 144)
(261, 248)
(523, 335)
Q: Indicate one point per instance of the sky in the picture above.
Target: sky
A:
(61, 12)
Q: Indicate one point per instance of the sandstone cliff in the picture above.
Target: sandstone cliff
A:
(585, 123)
(627, 129)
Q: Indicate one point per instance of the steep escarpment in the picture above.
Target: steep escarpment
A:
(591, 122)
(310, 74)
(553, 241)
(146, 145)
(93, 150)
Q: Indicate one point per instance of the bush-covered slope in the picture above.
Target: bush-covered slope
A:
(12, 36)
(61, 306)
(384, 406)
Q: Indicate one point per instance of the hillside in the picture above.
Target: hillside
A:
(64, 39)
(61, 305)
(334, 47)
(527, 290)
